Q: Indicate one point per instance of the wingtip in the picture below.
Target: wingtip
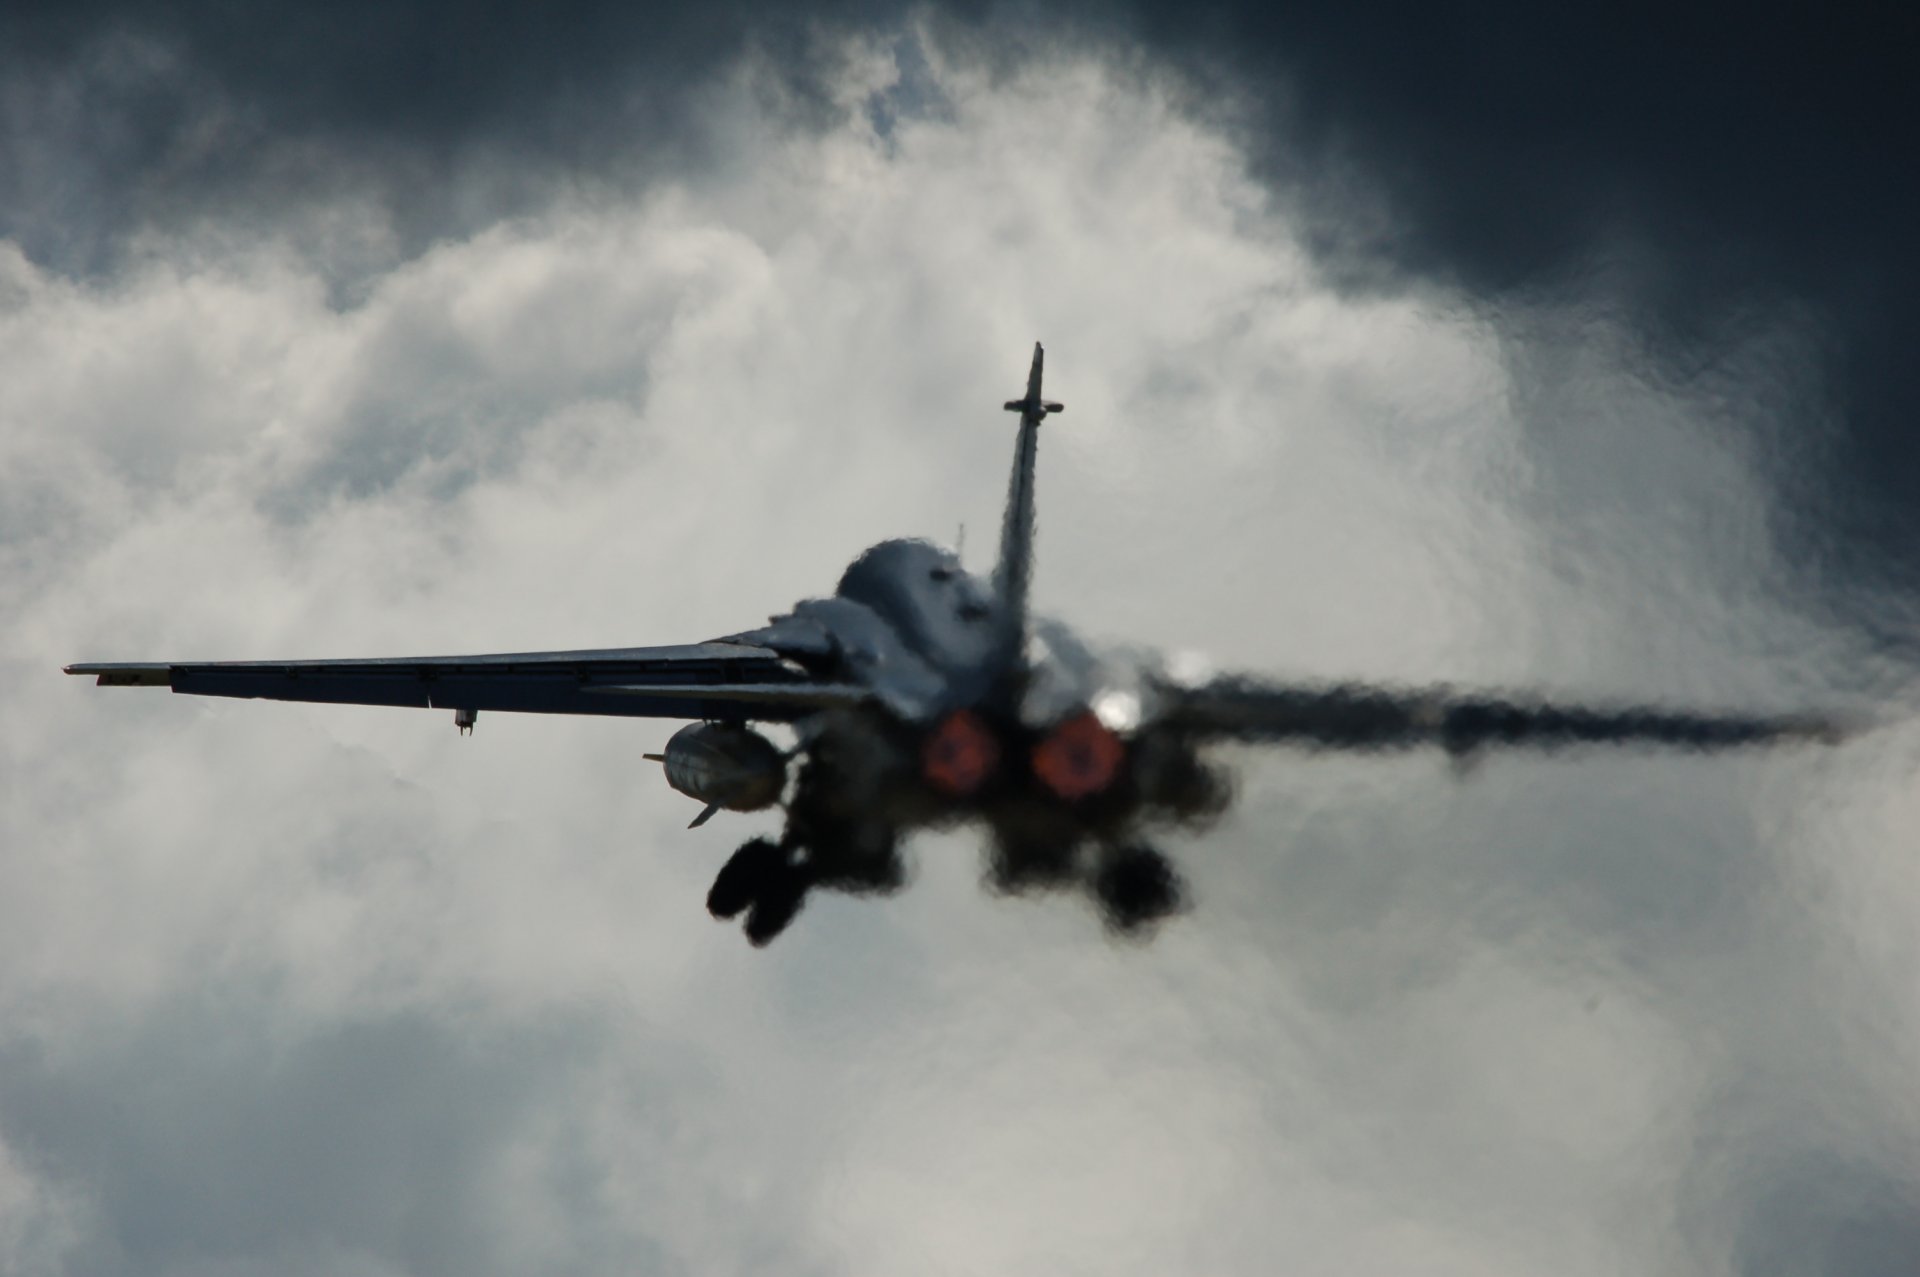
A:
(142, 674)
(1824, 729)
(1838, 729)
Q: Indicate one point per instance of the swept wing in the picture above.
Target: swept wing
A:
(1365, 717)
(718, 681)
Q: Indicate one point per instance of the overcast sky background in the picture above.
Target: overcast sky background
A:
(1501, 351)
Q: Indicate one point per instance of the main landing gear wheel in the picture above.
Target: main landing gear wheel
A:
(1136, 887)
(780, 898)
(745, 876)
(761, 880)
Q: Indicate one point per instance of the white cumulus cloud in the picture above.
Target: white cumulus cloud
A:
(310, 989)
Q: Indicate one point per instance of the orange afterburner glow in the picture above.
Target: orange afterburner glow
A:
(1079, 758)
(960, 755)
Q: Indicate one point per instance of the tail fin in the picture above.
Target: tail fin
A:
(1015, 569)
(1033, 405)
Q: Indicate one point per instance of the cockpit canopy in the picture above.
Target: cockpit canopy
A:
(939, 609)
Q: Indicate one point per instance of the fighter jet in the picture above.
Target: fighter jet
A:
(922, 695)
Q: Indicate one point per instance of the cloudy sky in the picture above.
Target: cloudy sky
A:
(1538, 353)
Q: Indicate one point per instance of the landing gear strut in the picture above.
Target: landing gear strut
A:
(825, 844)
(769, 881)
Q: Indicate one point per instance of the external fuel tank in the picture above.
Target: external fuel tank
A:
(724, 765)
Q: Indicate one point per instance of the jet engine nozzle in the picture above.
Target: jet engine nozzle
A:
(725, 765)
(960, 755)
(1079, 758)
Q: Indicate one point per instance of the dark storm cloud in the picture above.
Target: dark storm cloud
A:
(1824, 1214)
(1488, 1003)
(1698, 164)
(1691, 168)
(448, 116)
(207, 1143)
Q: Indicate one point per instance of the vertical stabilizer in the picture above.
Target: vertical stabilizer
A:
(1015, 569)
